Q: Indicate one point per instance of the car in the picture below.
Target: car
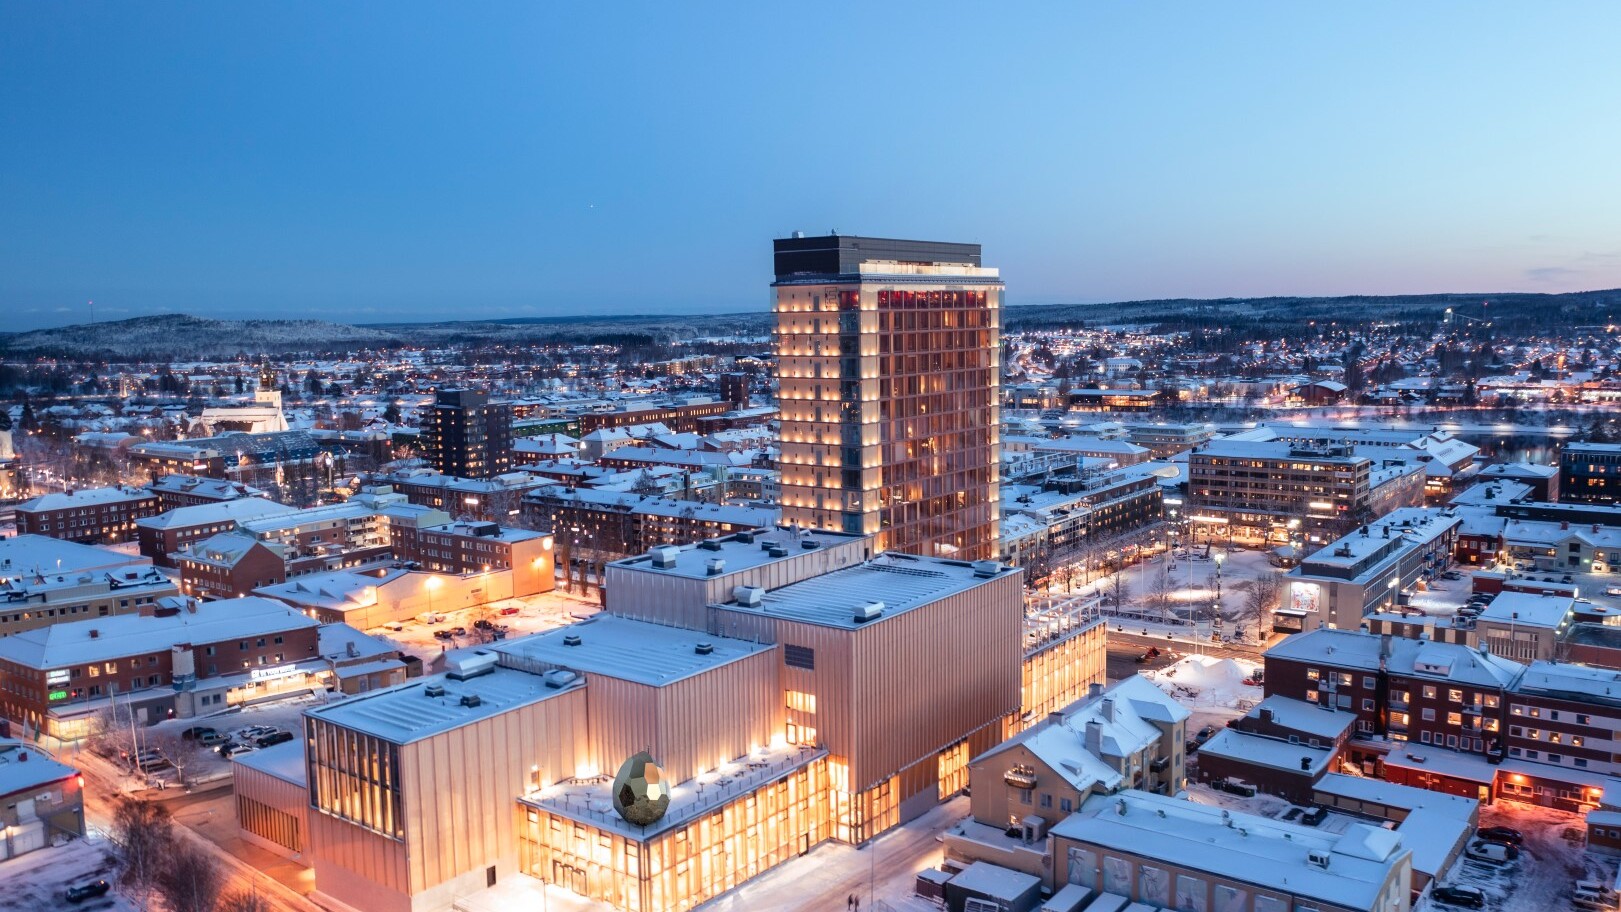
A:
(1493, 852)
(1467, 897)
(196, 732)
(459, 631)
(236, 750)
(508, 612)
(443, 635)
(84, 891)
(1501, 834)
(212, 739)
(1566, 579)
(253, 731)
(483, 624)
(1205, 734)
(1613, 590)
(276, 737)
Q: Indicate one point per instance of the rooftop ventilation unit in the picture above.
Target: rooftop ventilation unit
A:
(1318, 858)
(572, 639)
(869, 612)
(748, 596)
(559, 678)
(471, 700)
(463, 667)
(704, 649)
(810, 544)
(434, 690)
(985, 569)
(664, 557)
(746, 538)
(709, 544)
(716, 566)
(778, 551)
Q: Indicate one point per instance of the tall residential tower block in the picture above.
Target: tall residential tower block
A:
(889, 367)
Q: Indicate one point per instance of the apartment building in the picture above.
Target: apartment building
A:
(1590, 473)
(95, 516)
(477, 547)
(176, 491)
(1370, 570)
(229, 565)
(1267, 490)
(1055, 521)
(498, 499)
(45, 581)
(167, 533)
(609, 525)
(466, 435)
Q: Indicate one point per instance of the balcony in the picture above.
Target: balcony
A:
(1020, 777)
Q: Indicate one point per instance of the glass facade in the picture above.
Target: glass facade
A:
(681, 866)
(889, 402)
(354, 777)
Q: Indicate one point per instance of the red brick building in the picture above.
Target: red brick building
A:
(473, 547)
(229, 565)
(178, 658)
(189, 490)
(167, 533)
(96, 516)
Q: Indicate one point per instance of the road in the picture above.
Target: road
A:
(207, 822)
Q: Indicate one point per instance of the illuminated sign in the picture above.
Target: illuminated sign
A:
(1306, 597)
(280, 671)
(59, 695)
(58, 676)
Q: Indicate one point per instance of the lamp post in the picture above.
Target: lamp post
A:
(1218, 576)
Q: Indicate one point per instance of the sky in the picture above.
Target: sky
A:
(401, 161)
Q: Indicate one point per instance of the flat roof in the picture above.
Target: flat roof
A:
(900, 581)
(66, 500)
(103, 638)
(1253, 849)
(405, 713)
(1529, 608)
(638, 651)
(744, 551)
(284, 761)
(238, 510)
(18, 774)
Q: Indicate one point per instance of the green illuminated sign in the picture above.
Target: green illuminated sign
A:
(59, 695)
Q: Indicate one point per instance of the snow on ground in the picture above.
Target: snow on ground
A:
(536, 613)
(1208, 684)
(39, 879)
(1552, 859)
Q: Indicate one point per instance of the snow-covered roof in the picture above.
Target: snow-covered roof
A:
(1354, 649)
(1253, 849)
(737, 552)
(405, 713)
(106, 638)
(985, 879)
(65, 500)
(1582, 683)
(23, 554)
(284, 761)
(900, 582)
(1323, 721)
(1529, 608)
(616, 647)
(1274, 753)
(240, 510)
(24, 767)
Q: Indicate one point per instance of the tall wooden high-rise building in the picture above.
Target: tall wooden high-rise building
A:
(889, 367)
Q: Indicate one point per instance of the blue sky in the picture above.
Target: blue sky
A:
(375, 161)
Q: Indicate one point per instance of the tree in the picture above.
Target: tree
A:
(110, 731)
(244, 901)
(191, 880)
(392, 413)
(145, 836)
(1118, 589)
(1159, 592)
(27, 419)
(5, 418)
(181, 752)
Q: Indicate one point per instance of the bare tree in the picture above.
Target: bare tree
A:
(191, 880)
(1118, 590)
(110, 732)
(244, 901)
(181, 752)
(1159, 592)
(145, 835)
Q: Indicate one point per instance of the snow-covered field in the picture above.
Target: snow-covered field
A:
(38, 880)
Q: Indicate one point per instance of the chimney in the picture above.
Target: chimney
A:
(1266, 714)
(1384, 645)
(95, 634)
(1305, 764)
(1108, 708)
(1094, 689)
(1094, 736)
(1564, 525)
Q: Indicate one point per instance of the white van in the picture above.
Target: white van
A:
(1492, 852)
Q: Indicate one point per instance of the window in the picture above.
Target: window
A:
(1367, 704)
(1367, 683)
(1429, 692)
(1455, 695)
(1429, 715)
(1312, 674)
(1345, 679)
(799, 657)
(1454, 719)
(1424, 736)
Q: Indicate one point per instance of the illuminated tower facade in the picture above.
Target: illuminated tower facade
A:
(889, 368)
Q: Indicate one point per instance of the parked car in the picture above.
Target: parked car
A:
(1613, 590)
(211, 739)
(253, 731)
(236, 749)
(443, 635)
(279, 737)
(196, 731)
(1205, 734)
(1467, 897)
(459, 631)
(1500, 834)
(508, 612)
(1492, 852)
(483, 624)
(82, 892)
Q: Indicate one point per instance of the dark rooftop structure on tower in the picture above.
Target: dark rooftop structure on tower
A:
(843, 254)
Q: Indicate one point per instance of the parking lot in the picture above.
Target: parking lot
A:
(1552, 859)
(40, 879)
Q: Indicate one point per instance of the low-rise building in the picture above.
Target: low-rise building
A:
(478, 547)
(177, 658)
(229, 565)
(1370, 570)
(163, 535)
(93, 517)
(40, 799)
(175, 491)
(1156, 850)
(46, 581)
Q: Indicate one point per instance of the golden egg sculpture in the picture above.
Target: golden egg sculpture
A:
(640, 795)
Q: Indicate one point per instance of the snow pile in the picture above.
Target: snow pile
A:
(1206, 682)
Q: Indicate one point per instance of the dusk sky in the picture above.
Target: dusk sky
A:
(402, 161)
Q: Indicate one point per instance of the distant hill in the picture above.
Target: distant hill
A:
(179, 336)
